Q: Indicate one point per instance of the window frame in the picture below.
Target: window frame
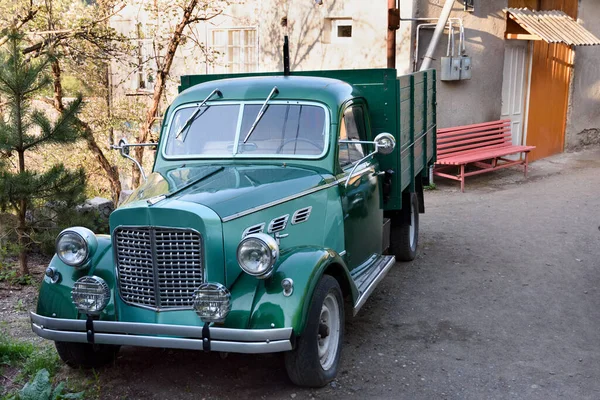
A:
(366, 128)
(238, 133)
(335, 24)
(225, 68)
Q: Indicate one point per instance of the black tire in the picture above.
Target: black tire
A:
(402, 244)
(304, 365)
(86, 355)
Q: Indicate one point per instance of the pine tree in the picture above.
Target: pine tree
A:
(22, 130)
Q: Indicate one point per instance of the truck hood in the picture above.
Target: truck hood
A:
(228, 190)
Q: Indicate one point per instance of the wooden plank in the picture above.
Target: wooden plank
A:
(476, 147)
(442, 146)
(472, 151)
(483, 124)
(467, 129)
(485, 155)
(521, 36)
(448, 138)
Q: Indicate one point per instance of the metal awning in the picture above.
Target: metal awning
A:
(548, 25)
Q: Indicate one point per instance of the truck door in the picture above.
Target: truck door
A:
(360, 197)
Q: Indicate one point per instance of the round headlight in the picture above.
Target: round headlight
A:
(90, 294)
(75, 246)
(257, 254)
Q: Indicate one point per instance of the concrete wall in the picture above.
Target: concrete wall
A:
(478, 99)
(583, 123)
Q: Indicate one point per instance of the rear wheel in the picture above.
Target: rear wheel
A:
(404, 231)
(86, 355)
(315, 360)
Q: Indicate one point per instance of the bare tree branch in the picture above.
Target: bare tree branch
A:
(20, 21)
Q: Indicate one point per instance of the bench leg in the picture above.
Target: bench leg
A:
(526, 164)
(462, 178)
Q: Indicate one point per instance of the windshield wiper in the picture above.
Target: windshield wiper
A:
(261, 112)
(195, 113)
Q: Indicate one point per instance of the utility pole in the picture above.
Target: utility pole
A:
(393, 26)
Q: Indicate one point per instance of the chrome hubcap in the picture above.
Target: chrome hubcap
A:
(329, 331)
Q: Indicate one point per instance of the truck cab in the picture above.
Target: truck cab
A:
(274, 204)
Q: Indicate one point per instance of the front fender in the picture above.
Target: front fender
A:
(55, 298)
(305, 266)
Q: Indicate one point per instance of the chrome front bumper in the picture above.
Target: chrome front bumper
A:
(164, 336)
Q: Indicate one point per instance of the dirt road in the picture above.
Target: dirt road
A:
(502, 302)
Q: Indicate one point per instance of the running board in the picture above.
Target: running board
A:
(367, 281)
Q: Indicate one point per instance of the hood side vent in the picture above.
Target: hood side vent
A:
(253, 229)
(301, 215)
(279, 223)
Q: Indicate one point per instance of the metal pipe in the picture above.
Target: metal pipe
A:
(391, 37)
(439, 29)
(451, 22)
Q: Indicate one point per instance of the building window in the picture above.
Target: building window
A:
(337, 30)
(144, 77)
(235, 50)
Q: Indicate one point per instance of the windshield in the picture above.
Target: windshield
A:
(285, 130)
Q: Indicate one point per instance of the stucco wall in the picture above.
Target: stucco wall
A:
(479, 99)
(583, 123)
(310, 48)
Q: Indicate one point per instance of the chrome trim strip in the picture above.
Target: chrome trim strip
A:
(290, 198)
(280, 201)
(342, 253)
(363, 298)
(187, 337)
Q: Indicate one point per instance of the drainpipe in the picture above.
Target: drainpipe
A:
(393, 26)
(437, 34)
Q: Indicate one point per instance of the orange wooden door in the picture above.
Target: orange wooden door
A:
(552, 67)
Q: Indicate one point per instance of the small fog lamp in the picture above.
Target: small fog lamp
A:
(212, 302)
(90, 295)
(257, 254)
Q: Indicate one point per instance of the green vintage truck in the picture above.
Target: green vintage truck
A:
(275, 206)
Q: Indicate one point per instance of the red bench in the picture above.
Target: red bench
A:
(481, 145)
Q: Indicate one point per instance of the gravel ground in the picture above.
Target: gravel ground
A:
(503, 301)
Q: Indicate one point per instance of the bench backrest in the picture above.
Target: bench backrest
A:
(473, 138)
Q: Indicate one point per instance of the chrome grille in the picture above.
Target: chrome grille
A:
(158, 267)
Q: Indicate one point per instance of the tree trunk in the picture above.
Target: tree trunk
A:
(112, 172)
(159, 87)
(23, 239)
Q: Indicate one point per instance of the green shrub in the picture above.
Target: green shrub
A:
(40, 388)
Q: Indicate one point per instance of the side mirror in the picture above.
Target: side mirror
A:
(124, 147)
(385, 143)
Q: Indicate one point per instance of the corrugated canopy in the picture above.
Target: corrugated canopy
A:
(550, 26)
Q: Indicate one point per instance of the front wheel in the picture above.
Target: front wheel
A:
(404, 231)
(315, 361)
(86, 355)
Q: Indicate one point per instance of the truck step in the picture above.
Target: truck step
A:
(366, 281)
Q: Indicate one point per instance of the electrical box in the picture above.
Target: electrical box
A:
(450, 69)
(455, 68)
(465, 67)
